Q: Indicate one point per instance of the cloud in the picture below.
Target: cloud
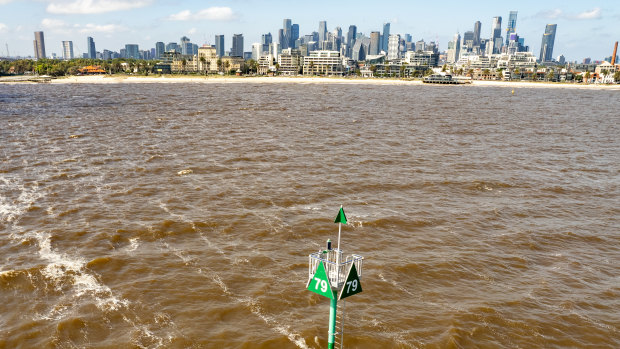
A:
(192, 31)
(94, 6)
(3, 28)
(593, 14)
(59, 26)
(557, 13)
(211, 13)
(98, 28)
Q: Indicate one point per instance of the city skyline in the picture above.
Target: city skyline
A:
(585, 29)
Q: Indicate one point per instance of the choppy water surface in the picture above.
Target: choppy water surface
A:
(182, 215)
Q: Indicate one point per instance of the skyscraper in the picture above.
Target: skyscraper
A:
(477, 27)
(512, 25)
(266, 42)
(39, 45)
(219, 45)
(374, 43)
(548, 39)
(285, 35)
(294, 35)
(237, 46)
(454, 49)
(322, 31)
(132, 51)
(393, 51)
(159, 49)
(67, 50)
(186, 46)
(496, 38)
(90, 43)
(351, 36)
(385, 36)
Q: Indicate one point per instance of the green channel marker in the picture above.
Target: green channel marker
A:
(320, 283)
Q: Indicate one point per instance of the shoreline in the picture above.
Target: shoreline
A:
(124, 79)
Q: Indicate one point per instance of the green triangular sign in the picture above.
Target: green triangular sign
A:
(352, 285)
(320, 283)
(341, 218)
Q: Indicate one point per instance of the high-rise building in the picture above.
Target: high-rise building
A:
(386, 37)
(39, 45)
(511, 28)
(284, 34)
(468, 41)
(90, 43)
(322, 31)
(420, 46)
(67, 50)
(351, 37)
(172, 46)
(393, 51)
(132, 51)
(294, 35)
(408, 38)
(454, 49)
(186, 46)
(497, 34)
(266, 42)
(237, 46)
(477, 27)
(548, 39)
(159, 49)
(374, 43)
(219, 45)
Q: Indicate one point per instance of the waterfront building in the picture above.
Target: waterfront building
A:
(237, 46)
(132, 51)
(422, 59)
(207, 59)
(159, 49)
(393, 50)
(290, 61)
(374, 43)
(511, 28)
(523, 61)
(219, 45)
(90, 44)
(266, 64)
(496, 37)
(233, 63)
(385, 36)
(327, 63)
(39, 45)
(548, 39)
(67, 50)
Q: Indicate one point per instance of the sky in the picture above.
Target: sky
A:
(584, 28)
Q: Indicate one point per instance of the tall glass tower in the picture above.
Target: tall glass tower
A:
(548, 39)
(90, 43)
(511, 28)
(39, 45)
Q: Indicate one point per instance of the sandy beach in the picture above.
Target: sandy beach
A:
(120, 79)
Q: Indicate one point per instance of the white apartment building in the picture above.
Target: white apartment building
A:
(328, 63)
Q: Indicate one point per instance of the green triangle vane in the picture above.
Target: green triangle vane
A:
(341, 218)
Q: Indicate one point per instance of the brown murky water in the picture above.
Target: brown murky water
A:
(182, 215)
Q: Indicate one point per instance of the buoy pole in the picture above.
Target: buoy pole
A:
(332, 321)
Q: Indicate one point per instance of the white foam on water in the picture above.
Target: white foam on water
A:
(10, 210)
(133, 244)
(63, 266)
